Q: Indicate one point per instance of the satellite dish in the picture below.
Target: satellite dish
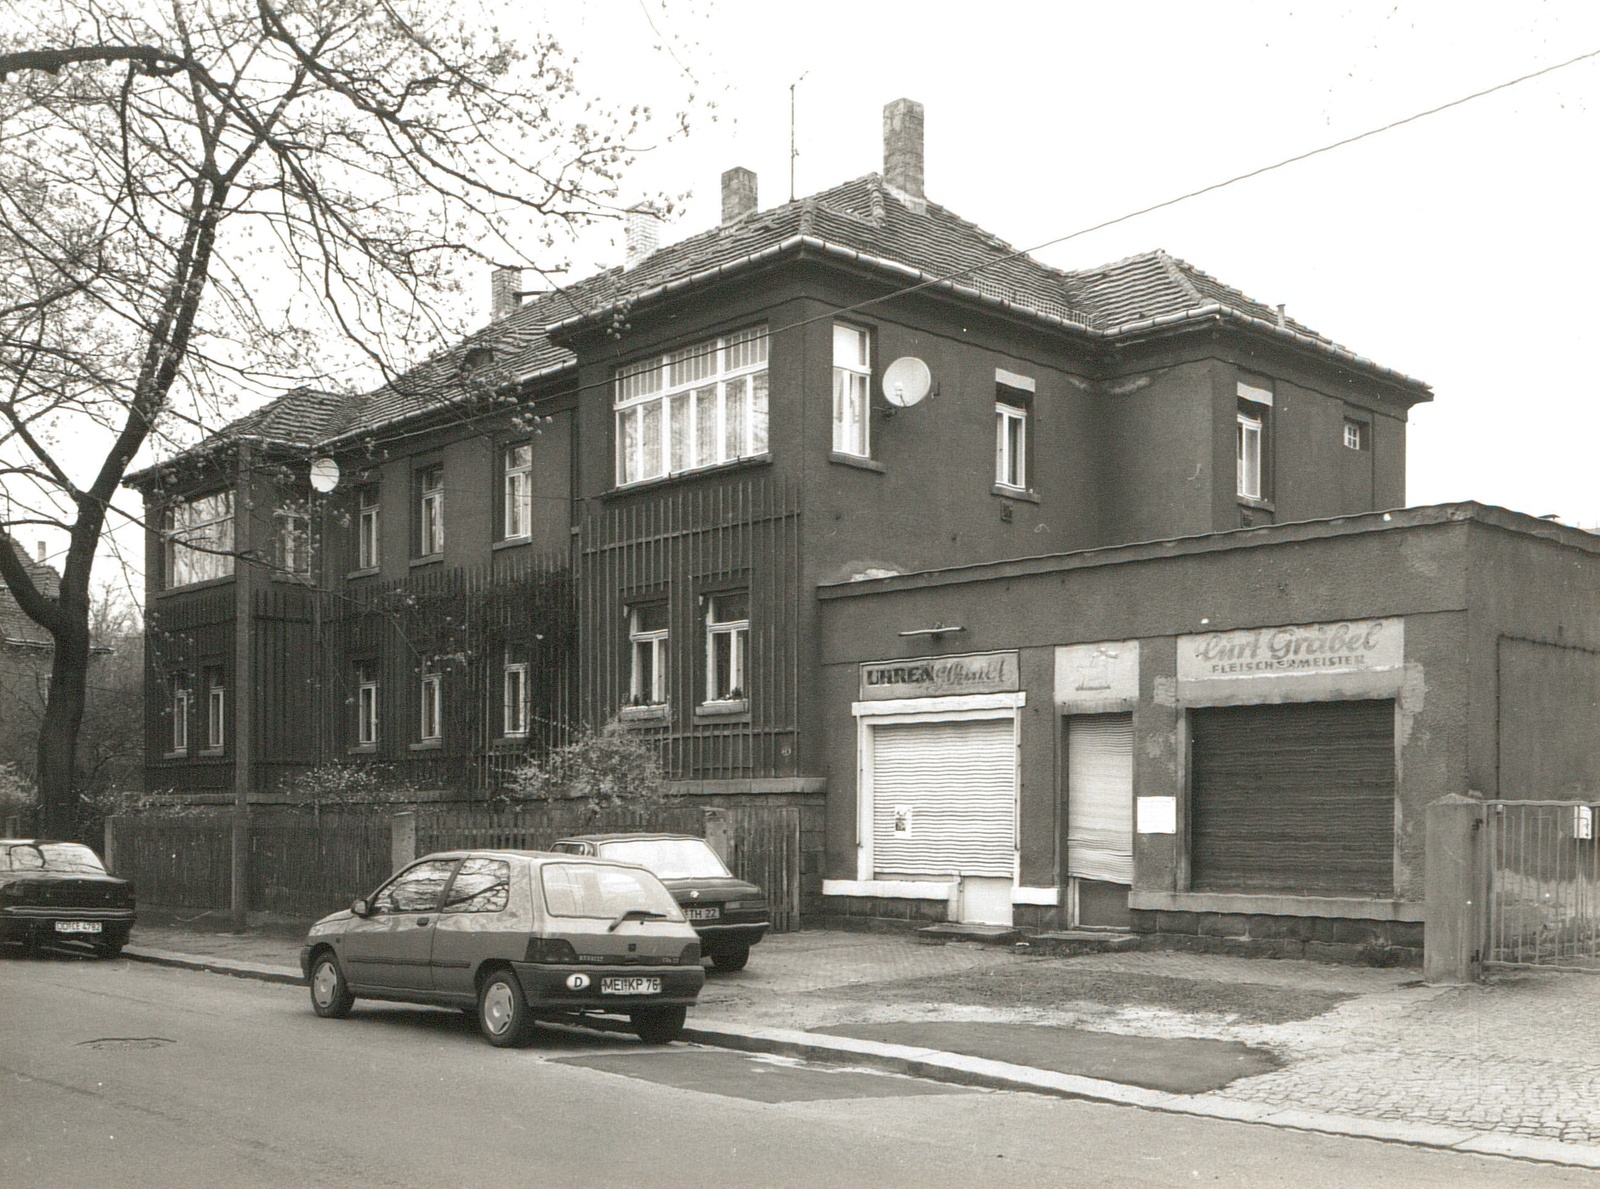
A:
(324, 474)
(906, 381)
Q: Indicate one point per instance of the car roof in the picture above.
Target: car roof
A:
(538, 856)
(630, 837)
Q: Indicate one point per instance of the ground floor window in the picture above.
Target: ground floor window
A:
(1294, 798)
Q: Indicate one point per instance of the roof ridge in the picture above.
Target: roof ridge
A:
(1181, 278)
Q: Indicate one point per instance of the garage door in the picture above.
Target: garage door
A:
(1295, 798)
(944, 798)
(1100, 797)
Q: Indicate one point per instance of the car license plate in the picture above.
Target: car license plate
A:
(711, 913)
(77, 926)
(630, 986)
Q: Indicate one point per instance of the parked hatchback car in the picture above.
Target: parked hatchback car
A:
(730, 914)
(61, 891)
(513, 937)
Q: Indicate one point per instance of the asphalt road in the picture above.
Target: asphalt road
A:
(118, 1074)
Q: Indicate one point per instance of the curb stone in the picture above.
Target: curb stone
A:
(981, 1073)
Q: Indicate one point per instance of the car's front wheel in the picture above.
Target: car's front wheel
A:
(658, 1025)
(503, 1015)
(330, 994)
(730, 960)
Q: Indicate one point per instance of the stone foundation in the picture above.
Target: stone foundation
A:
(1316, 939)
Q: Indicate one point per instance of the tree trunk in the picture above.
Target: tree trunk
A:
(58, 734)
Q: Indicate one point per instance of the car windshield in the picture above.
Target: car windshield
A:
(600, 890)
(67, 857)
(669, 858)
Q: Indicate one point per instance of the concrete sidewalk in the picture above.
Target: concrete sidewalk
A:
(1511, 1068)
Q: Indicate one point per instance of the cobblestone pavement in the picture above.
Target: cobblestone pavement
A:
(1518, 1056)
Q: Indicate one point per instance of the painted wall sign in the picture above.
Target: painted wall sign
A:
(1097, 672)
(941, 676)
(1298, 650)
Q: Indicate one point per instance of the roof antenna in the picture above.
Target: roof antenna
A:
(793, 152)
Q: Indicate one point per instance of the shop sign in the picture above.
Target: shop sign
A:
(941, 676)
(1097, 672)
(1299, 650)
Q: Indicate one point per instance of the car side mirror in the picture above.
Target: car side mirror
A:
(361, 908)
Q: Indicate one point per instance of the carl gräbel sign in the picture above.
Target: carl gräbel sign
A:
(1297, 650)
(940, 676)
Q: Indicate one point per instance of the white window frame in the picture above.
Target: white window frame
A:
(737, 632)
(180, 699)
(430, 706)
(293, 534)
(651, 642)
(367, 705)
(367, 525)
(698, 407)
(516, 491)
(1356, 434)
(430, 511)
(216, 709)
(852, 390)
(199, 539)
(514, 696)
(1010, 450)
(1250, 437)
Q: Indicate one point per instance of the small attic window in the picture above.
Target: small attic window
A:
(475, 358)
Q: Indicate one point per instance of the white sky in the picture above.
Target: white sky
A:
(1460, 249)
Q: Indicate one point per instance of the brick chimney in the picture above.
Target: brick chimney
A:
(505, 292)
(643, 233)
(738, 194)
(902, 152)
(39, 547)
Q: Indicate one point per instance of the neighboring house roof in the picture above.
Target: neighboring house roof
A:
(16, 629)
(861, 222)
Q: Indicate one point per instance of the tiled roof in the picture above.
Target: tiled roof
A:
(861, 221)
(15, 627)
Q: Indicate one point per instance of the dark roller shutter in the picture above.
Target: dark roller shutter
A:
(1296, 798)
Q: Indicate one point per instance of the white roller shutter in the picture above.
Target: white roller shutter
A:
(951, 788)
(1100, 797)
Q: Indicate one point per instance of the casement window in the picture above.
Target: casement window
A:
(1011, 445)
(514, 693)
(852, 385)
(430, 705)
(367, 704)
(1357, 434)
(216, 710)
(516, 491)
(430, 511)
(293, 550)
(1252, 429)
(199, 539)
(178, 697)
(727, 645)
(699, 407)
(647, 640)
(367, 529)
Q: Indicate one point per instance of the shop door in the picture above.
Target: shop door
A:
(1099, 766)
(944, 804)
(1295, 799)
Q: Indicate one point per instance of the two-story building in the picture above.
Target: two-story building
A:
(647, 496)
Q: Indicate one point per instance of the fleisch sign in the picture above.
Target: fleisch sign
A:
(940, 676)
(1296, 650)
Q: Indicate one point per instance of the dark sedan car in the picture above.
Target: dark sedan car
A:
(60, 891)
(513, 937)
(729, 914)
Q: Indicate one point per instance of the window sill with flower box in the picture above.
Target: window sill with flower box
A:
(645, 713)
(363, 749)
(723, 709)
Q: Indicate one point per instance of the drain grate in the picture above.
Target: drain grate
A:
(125, 1042)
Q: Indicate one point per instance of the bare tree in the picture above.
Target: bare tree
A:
(194, 194)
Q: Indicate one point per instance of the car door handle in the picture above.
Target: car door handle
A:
(422, 920)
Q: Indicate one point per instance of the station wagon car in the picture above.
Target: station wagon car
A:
(729, 913)
(61, 891)
(513, 937)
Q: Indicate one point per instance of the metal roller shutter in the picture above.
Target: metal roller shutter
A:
(1296, 798)
(1100, 797)
(959, 780)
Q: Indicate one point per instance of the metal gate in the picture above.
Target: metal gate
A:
(1543, 863)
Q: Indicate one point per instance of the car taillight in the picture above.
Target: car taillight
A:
(690, 955)
(551, 949)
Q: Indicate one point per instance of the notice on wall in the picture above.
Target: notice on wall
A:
(1156, 815)
(941, 676)
(1295, 650)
